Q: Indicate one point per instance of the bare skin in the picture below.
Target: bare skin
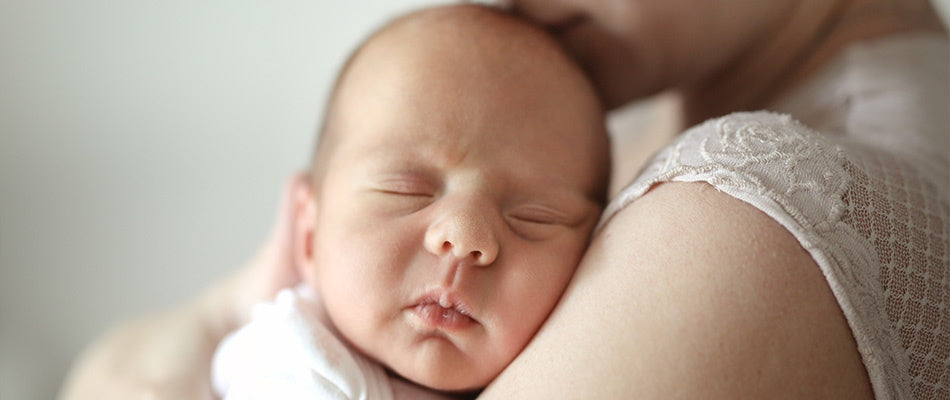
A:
(728, 318)
(703, 51)
(720, 331)
(731, 307)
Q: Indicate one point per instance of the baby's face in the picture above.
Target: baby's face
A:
(455, 206)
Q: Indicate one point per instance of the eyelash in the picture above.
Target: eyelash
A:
(532, 222)
(538, 216)
(535, 220)
(405, 188)
(533, 227)
(410, 193)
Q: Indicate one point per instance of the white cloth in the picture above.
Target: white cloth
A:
(864, 188)
(288, 352)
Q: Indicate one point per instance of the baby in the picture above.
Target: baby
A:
(461, 169)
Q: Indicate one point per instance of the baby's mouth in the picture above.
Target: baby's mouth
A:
(442, 311)
(436, 316)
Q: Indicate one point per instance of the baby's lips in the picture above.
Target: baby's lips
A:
(443, 309)
(442, 318)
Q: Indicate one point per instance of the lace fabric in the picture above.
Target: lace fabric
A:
(874, 213)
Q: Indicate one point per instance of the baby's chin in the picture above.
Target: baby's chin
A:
(461, 389)
(452, 384)
(470, 393)
(445, 378)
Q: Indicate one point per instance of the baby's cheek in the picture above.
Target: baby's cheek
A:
(357, 289)
(531, 298)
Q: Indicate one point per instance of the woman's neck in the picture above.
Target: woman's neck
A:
(813, 33)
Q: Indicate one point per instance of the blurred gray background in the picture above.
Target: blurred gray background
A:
(142, 147)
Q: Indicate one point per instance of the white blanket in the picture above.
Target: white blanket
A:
(288, 352)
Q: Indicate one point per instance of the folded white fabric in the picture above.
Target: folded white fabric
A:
(288, 352)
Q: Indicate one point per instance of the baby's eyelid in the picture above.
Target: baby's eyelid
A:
(406, 194)
(539, 215)
(406, 187)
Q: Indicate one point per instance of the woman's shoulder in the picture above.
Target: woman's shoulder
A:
(793, 172)
(871, 217)
(753, 156)
(694, 287)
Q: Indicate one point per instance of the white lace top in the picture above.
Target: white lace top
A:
(863, 183)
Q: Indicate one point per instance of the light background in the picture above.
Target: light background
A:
(142, 147)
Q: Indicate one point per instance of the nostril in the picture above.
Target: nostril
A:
(476, 255)
(446, 246)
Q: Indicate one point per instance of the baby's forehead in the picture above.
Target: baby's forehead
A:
(462, 35)
(471, 26)
(431, 70)
(441, 49)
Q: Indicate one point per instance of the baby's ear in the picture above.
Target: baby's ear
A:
(305, 223)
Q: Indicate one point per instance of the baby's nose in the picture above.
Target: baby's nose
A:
(467, 233)
(477, 257)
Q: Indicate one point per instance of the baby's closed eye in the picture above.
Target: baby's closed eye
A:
(535, 222)
(401, 194)
(538, 215)
(405, 187)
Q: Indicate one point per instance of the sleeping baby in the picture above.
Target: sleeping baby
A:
(460, 170)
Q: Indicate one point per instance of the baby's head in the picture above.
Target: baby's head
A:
(462, 168)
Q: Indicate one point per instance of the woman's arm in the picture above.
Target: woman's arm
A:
(163, 356)
(690, 293)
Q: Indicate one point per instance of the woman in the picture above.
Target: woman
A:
(816, 270)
